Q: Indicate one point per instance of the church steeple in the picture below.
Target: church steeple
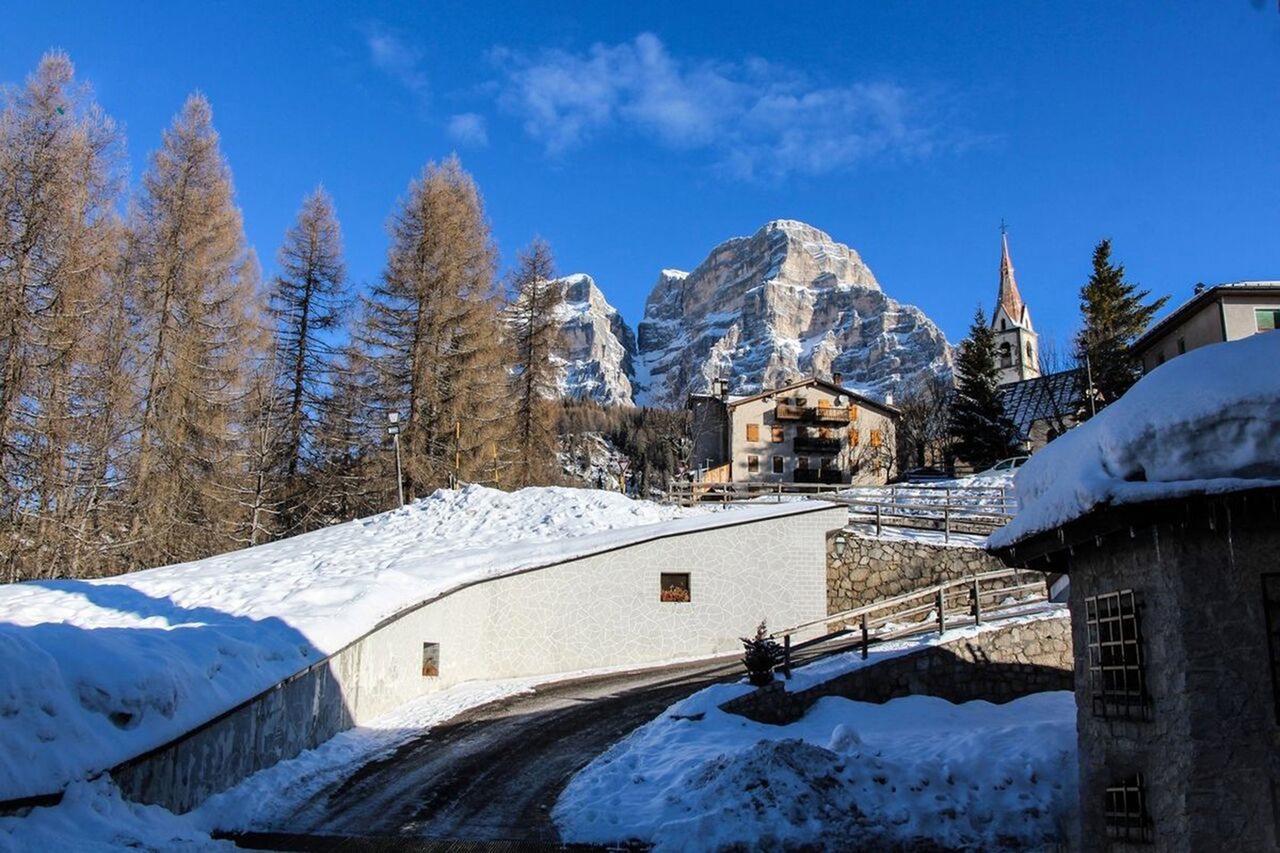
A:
(1009, 298)
(1017, 347)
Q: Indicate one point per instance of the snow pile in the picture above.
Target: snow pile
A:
(1207, 421)
(915, 770)
(93, 817)
(96, 672)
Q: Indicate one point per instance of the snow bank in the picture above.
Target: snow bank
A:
(912, 770)
(1207, 421)
(96, 672)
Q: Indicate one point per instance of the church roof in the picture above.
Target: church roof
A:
(1009, 298)
(1054, 396)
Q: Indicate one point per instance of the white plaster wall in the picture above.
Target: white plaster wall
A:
(604, 610)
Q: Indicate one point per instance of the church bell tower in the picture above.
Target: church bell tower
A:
(1017, 348)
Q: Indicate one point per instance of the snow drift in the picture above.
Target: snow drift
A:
(96, 672)
(1207, 421)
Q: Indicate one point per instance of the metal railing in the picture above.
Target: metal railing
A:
(962, 598)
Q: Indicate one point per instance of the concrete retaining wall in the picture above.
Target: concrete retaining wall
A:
(595, 611)
(997, 665)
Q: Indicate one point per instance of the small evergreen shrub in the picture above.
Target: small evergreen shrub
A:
(760, 655)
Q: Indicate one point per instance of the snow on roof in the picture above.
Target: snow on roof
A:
(1207, 421)
(1200, 298)
(1054, 396)
(95, 672)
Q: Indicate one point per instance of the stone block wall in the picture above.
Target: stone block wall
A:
(997, 665)
(870, 570)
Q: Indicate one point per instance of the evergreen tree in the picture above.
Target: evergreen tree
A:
(535, 336)
(980, 431)
(432, 333)
(307, 303)
(1114, 315)
(195, 283)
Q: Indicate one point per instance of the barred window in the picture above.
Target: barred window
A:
(1271, 606)
(1117, 671)
(1125, 811)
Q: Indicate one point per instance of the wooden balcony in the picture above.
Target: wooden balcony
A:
(812, 414)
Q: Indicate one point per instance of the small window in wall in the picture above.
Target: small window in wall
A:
(1006, 355)
(1125, 811)
(1030, 352)
(753, 464)
(1182, 345)
(1117, 671)
(777, 434)
(1271, 607)
(674, 587)
(1268, 319)
(853, 436)
(753, 432)
(779, 464)
(431, 659)
(802, 463)
(876, 438)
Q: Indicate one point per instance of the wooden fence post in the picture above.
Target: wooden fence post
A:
(864, 636)
(942, 612)
(977, 604)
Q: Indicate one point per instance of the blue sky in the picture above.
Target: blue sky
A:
(637, 138)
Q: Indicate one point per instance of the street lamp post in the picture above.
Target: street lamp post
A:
(393, 430)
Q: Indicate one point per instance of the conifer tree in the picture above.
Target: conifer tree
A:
(535, 337)
(307, 304)
(59, 238)
(432, 332)
(195, 282)
(980, 431)
(1114, 314)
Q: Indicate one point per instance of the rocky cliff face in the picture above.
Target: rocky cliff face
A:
(784, 302)
(599, 348)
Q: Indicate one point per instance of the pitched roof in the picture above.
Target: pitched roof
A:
(1055, 395)
(806, 381)
(1199, 300)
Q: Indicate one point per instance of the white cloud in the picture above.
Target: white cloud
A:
(468, 129)
(397, 58)
(758, 119)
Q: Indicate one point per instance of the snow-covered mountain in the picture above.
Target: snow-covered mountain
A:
(599, 348)
(786, 301)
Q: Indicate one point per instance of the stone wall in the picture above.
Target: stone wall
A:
(598, 610)
(874, 569)
(997, 664)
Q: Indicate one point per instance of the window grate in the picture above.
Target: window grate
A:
(1271, 606)
(1125, 811)
(1117, 671)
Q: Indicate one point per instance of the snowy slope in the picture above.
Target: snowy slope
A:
(1207, 421)
(913, 771)
(764, 309)
(95, 672)
(599, 348)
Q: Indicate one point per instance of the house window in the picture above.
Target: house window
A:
(802, 463)
(876, 438)
(1116, 667)
(1271, 606)
(853, 436)
(1125, 811)
(753, 464)
(1006, 355)
(777, 434)
(431, 659)
(1182, 345)
(1268, 319)
(753, 432)
(778, 464)
(1030, 356)
(673, 587)
(853, 413)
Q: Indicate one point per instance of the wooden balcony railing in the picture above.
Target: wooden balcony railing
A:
(812, 414)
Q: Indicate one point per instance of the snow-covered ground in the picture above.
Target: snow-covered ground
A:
(1205, 422)
(95, 672)
(915, 769)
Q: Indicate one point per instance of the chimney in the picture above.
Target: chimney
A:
(837, 377)
(720, 388)
(888, 399)
(1199, 288)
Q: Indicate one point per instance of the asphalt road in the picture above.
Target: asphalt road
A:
(487, 779)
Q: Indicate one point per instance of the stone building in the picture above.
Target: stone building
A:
(1176, 625)
(811, 431)
(1224, 312)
